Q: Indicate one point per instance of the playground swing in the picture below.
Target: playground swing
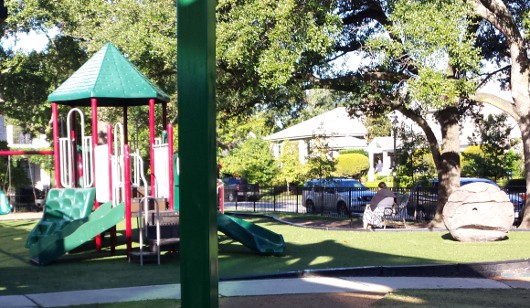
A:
(38, 203)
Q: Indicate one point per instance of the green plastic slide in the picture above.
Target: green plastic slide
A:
(5, 207)
(68, 222)
(251, 235)
(76, 233)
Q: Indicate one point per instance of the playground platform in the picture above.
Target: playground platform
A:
(341, 291)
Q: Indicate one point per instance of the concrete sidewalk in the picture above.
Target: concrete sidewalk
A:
(248, 288)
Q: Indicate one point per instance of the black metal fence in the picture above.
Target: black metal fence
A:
(421, 205)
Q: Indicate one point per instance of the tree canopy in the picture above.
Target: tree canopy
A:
(425, 59)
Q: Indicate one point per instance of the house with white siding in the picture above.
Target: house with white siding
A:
(336, 127)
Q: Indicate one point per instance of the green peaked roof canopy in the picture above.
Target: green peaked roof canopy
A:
(109, 77)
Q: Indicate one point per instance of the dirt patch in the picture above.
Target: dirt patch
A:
(302, 300)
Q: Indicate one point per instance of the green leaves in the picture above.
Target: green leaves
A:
(271, 39)
(253, 160)
(291, 170)
(352, 165)
(434, 43)
(436, 32)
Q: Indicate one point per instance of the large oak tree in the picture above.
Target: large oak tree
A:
(421, 58)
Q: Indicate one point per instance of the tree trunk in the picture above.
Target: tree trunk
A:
(449, 166)
(524, 125)
(498, 15)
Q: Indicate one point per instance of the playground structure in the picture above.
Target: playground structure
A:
(100, 183)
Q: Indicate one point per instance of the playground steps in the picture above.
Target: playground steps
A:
(148, 256)
(169, 222)
(169, 228)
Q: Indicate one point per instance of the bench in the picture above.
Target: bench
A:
(397, 213)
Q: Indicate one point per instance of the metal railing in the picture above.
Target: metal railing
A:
(421, 204)
(276, 199)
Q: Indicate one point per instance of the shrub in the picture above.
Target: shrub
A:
(352, 165)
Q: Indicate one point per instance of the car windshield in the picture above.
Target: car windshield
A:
(231, 181)
(347, 185)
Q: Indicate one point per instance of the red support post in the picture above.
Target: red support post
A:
(151, 143)
(28, 152)
(95, 139)
(125, 130)
(56, 155)
(221, 196)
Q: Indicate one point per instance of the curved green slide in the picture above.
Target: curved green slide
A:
(257, 238)
(57, 234)
(5, 207)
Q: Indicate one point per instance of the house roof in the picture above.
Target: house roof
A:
(109, 77)
(379, 144)
(338, 143)
(334, 123)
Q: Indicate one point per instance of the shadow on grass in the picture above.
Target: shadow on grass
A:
(86, 268)
(236, 260)
(81, 269)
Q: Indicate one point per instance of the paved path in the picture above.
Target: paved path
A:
(251, 288)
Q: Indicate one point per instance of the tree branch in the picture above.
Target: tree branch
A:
(373, 12)
(491, 74)
(348, 81)
(427, 130)
(494, 100)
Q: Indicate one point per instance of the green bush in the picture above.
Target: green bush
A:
(352, 165)
(354, 151)
(470, 160)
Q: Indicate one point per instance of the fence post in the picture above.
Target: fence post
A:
(297, 190)
(274, 199)
(349, 199)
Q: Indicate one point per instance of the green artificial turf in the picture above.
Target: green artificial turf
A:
(318, 249)
(86, 268)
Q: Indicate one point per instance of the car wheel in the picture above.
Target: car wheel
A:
(310, 206)
(342, 210)
(232, 197)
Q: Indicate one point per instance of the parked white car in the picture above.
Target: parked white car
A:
(342, 195)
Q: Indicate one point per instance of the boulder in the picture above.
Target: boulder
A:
(478, 212)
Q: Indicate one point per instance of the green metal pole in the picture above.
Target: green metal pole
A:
(197, 153)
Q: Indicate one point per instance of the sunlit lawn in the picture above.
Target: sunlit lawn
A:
(306, 249)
